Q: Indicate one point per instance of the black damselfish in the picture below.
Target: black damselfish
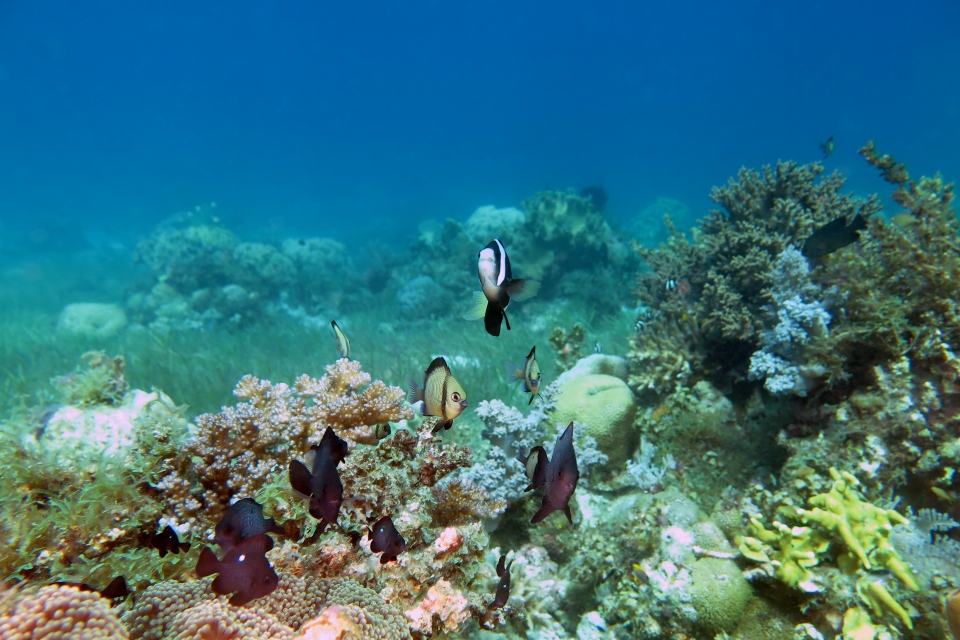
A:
(323, 486)
(385, 537)
(562, 477)
(503, 588)
(834, 235)
(244, 571)
(243, 519)
(498, 286)
(167, 542)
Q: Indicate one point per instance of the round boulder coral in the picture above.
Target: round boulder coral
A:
(91, 319)
(606, 406)
(719, 593)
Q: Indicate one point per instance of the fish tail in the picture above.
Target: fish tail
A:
(478, 307)
(492, 318)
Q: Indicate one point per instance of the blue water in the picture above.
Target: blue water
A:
(358, 120)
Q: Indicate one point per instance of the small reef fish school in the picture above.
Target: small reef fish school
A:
(242, 533)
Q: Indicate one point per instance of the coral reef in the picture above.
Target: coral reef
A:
(205, 276)
(708, 299)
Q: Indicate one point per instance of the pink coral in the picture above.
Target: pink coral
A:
(448, 604)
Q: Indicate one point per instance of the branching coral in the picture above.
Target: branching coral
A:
(714, 292)
(901, 295)
(240, 448)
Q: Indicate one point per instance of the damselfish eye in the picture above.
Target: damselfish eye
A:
(455, 396)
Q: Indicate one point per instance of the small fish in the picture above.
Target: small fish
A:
(116, 590)
(498, 286)
(382, 430)
(503, 588)
(597, 195)
(385, 537)
(904, 219)
(244, 571)
(598, 348)
(323, 485)
(834, 235)
(343, 342)
(529, 374)
(167, 542)
(671, 285)
(535, 467)
(827, 147)
(562, 477)
(441, 394)
(244, 519)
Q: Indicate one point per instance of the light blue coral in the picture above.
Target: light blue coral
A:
(800, 314)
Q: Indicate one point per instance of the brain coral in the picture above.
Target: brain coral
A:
(606, 406)
(60, 612)
(719, 593)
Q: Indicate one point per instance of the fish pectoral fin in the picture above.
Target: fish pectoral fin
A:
(478, 307)
(513, 373)
(520, 289)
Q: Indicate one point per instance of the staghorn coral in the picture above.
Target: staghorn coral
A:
(59, 612)
(242, 447)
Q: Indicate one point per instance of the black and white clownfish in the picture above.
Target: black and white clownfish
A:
(498, 287)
